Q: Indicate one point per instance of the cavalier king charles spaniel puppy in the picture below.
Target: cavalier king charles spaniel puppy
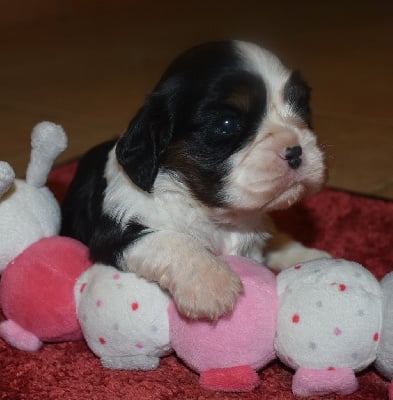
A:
(223, 139)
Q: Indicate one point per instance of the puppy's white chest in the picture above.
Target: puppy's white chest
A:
(246, 244)
(180, 213)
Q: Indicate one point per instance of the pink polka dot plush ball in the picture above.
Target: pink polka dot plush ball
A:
(123, 317)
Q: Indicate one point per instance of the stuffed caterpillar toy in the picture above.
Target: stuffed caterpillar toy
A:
(327, 319)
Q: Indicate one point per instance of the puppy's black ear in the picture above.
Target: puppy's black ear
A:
(140, 149)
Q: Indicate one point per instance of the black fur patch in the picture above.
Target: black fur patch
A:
(139, 150)
(82, 204)
(109, 240)
(82, 213)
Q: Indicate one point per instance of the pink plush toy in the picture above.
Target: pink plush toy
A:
(227, 353)
(37, 293)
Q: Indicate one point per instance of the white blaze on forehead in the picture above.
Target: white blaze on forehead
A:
(267, 65)
(274, 75)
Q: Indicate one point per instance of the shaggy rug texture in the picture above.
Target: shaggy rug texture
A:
(349, 226)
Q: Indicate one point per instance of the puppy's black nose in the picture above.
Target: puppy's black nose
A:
(292, 155)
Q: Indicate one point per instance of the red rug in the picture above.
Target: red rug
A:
(348, 226)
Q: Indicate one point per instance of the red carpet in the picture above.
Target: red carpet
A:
(349, 226)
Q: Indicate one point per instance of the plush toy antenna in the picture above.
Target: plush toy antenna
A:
(48, 140)
(7, 177)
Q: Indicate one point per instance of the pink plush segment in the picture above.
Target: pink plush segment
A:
(235, 339)
(391, 391)
(18, 337)
(37, 288)
(236, 379)
(311, 382)
(251, 269)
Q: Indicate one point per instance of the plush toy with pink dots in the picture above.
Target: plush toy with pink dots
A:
(124, 318)
(326, 319)
(329, 324)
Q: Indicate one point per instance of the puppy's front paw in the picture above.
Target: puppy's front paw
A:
(210, 291)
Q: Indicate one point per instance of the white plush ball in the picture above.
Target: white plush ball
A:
(330, 315)
(124, 318)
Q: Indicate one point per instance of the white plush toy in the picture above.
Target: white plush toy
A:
(329, 324)
(124, 318)
(28, 209)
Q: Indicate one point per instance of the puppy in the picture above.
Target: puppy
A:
(222, 140)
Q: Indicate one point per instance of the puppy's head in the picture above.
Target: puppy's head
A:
(232, 123)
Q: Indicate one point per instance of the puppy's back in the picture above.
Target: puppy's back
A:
(82, 204)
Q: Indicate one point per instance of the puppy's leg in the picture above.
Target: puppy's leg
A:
(282, 252)
(202, 285)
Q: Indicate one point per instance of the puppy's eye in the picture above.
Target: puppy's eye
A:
(228, 126)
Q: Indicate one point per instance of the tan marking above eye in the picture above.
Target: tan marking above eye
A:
(240, 100)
